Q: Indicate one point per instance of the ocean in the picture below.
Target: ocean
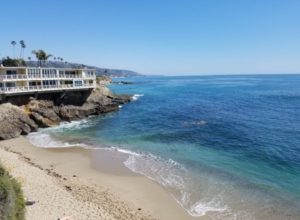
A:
(223, 146)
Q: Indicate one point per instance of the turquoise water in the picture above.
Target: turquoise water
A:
(224, 146)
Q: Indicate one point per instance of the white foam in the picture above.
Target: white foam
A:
(124, 151)
(169, 173)
(172, 175)
(45, 140)
(73, 125)
(137, 96)
(200, 208)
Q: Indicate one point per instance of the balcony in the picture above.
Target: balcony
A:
(28, 89)
(13, 77)
(38, 76)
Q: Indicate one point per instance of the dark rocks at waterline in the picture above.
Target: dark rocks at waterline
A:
(100, 101)
(123, 83)
(16, 121)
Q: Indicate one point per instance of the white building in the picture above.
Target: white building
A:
(26, 80)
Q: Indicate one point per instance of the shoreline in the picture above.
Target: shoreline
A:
(91, 183)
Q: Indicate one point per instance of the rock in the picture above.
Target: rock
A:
(103, 96)
(43, 113)
(29, 203)
(101, 100)
(124, 82)
(68, 188)
(14, 122)
(71, 112)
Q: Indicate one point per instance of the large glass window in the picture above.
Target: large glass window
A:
(49, 82)
(11, 72)
(78, 83)
(10, 84)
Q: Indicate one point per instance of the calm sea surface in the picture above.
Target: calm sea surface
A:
(224, 146)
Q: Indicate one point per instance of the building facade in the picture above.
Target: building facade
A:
(26, 80)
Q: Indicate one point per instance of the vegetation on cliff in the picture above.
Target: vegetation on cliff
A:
(12, 203)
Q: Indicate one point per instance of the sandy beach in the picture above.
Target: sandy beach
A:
(84, 184)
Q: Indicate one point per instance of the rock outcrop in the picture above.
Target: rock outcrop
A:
(43, 113)
(15, 121)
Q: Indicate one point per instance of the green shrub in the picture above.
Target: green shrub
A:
(12, 204)
(13, 62)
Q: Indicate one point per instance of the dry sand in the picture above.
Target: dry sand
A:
(84, 184)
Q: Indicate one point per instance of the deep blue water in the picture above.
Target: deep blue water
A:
(225, 146)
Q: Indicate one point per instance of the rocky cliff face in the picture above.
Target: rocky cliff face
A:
(19, 120)
(14, 122)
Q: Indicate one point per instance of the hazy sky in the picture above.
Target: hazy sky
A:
(160, 37)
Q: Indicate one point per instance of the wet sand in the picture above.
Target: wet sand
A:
(85, 184)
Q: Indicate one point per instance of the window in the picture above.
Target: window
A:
(10, 84)
(49, 83)
(78, 83)
(34, 83)
(11, 72)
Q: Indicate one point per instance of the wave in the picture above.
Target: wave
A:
(136, 96)
(199, 197)
(170, 174)
(45, 140)
(175, 178)
(44, 137)
(73, 124)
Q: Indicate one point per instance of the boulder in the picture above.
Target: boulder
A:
(71, 112)
(43, 112)
(104, 97)
(14, 122)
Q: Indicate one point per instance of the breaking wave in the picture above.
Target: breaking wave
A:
(137, 96)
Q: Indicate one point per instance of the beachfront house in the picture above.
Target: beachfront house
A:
(31, 80)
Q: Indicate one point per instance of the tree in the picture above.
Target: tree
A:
(60, 59)
(13, 62)
(13, 43)
(29, 58)
(23, 46)
(41, 56)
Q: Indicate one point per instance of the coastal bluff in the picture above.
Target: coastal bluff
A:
(21, 115)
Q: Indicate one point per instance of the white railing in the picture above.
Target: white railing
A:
(44, 76)
(13, 77)
(21, 89)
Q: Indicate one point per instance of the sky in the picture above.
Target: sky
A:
(160, 37)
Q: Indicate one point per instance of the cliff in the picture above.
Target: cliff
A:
(47, 112)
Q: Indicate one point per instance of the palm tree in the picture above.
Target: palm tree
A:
(13, 43)
(60, 59)
(23, 46)
(41, 56)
